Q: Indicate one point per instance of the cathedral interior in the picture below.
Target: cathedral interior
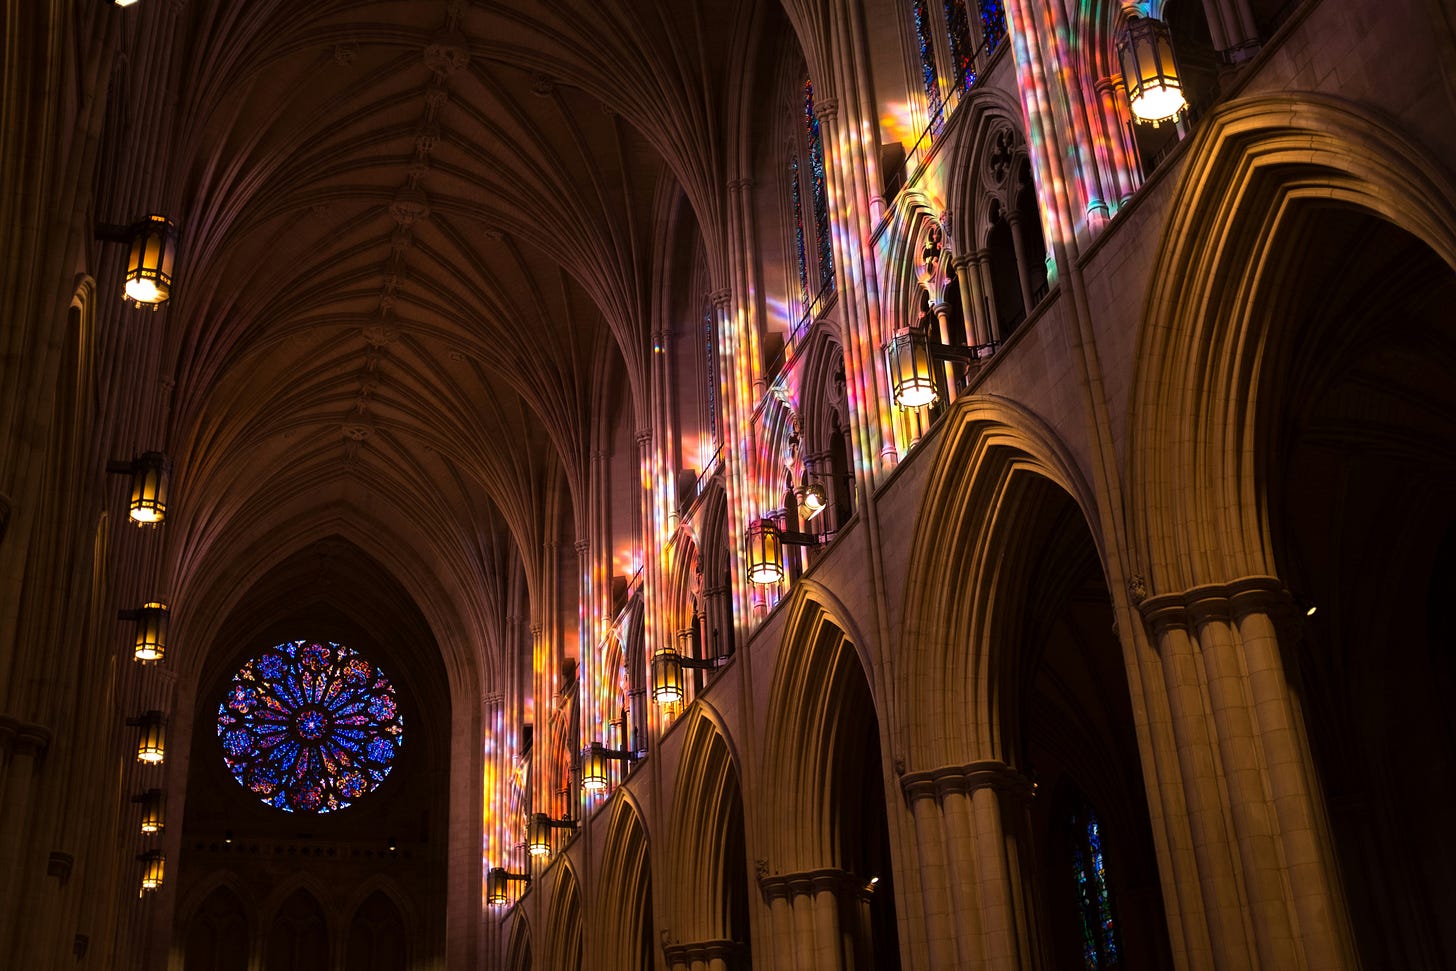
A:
(689, 485)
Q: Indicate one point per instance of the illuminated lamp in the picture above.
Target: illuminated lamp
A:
(1149, 71)
(155, 864)
(498, 885)
(667, 679)
(149, 745)
(124, 3)
(153, 805)
(812, 500)
(765, 553)
(538, 832)
(594, 759)
(149, 267)
(149, 473)
(908, 358)
(151, 630)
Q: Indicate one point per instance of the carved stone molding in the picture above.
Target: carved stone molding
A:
(23, 738)
(1217, 601)
(701, 952)
(806, 882)
(965, 779)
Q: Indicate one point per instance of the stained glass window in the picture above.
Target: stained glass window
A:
(803, 254)
(310, 726)
(1094, 903)
(710, 361)
(993, 22)
(820, 189)
(962, 48)
(927, 60)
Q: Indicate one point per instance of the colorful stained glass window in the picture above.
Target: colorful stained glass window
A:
(993, 22)
(820, 189)
(310, 726)
(1094, 903)
(962, 48)
(927, 61)
(710, 363)
(802, 251)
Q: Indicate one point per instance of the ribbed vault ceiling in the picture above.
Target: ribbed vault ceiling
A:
(418, 261)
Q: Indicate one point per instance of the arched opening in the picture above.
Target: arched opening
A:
(1072, 733)
(1005, 277)
(1360, 457)
(564, 924)
(217, 934)
(299, 937)
(624, 907)
(378, 940)
(518, 951)
(1028, 214)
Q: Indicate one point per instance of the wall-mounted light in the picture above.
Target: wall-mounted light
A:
(594, 763)
(150, 473)
(151, 631)
(124, 3)
(153, 869)
(910, 356)
(538, 832)
(812, 500)
(1149, 71)
(498, 885)
(764, 545)
(150, 747)
(154, 806)
(153, 243)
(667, 669)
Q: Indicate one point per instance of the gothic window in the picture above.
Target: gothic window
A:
(962, 47)
(993, 22)
(1094, 904)
(811, 222)
(924, 34)
(710, 349)
(310, 726)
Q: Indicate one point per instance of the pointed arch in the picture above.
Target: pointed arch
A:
(623, 912)
(708, 897)
(219, 927)
(995, 464)
(378, 935)
(299, 934)
(518, 949)
(563, 925)
(1200, 513)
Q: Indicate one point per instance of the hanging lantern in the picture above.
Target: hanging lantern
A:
(149, 745)
(765, 553)
(154, 865)
(497, 887)
(594, 768)
(149, 267)
(1145, 53)
(149, 475)
(911, 378)
(538, 834)
(153, 807)
(667, 677)
(151, 631)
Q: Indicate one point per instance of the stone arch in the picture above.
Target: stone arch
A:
(622, 916)
(563, 942)
(518, 948)
(1200, 512)
(299, 934)
(218, 926)
(991, 448)
(824, 411)
(378, 936)
(708, 897)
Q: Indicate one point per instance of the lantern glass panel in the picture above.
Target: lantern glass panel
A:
(594, 768)
(912, 379)
(149, 267)
(151, 632)
(149, 746)
(152, 811)
(538, 835)
(667, 677)
(1150, 72)
(148, 505)
(153, 870)
(765, 555)
(496, 887)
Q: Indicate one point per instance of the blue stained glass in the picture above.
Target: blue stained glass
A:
(309, 726)
(1094, 904)
(993, 22)
(820, 189)
(962, 48)
(927, 60)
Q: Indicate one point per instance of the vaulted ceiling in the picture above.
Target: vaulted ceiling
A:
(422, 249)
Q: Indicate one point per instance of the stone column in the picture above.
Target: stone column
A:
(1250, 804)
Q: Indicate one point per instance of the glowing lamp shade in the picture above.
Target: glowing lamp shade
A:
(151, 632)
(538, 834)
(153, 867)
(911, 378)
(154, 806)
(150, 747)
(594, 768)
(497, 887)
(149, 267)
(149, 475)
(764, 553)
(667, 677)
(1154, 90)
(812, 501)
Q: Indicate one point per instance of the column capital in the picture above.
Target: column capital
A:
(1217, 601)
(23, 738)
(965, 779)
(720, 298)
(809, 882)
(701, 952)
